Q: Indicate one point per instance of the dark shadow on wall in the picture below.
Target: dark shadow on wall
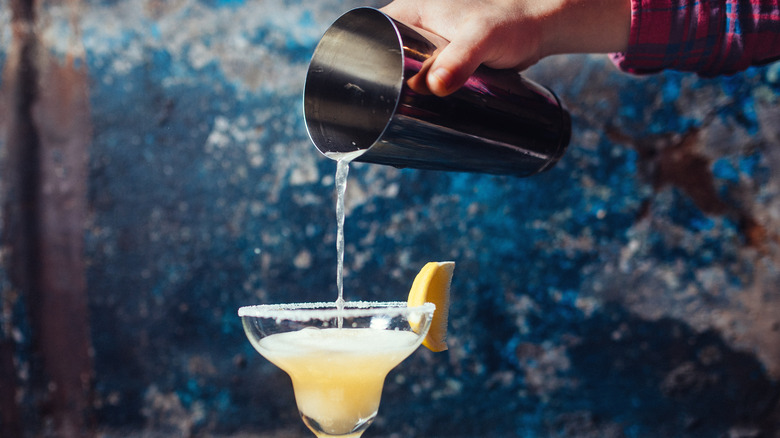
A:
(671, 380)
(627, 377)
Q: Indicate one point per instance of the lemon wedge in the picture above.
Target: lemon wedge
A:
(432, 284)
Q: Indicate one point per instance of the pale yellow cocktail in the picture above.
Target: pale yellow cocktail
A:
(337, 373)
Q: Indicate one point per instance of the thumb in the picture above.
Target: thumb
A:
(452, 67)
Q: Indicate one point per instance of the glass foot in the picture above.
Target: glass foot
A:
(323, 432)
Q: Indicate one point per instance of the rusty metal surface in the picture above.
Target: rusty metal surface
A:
(48, 133)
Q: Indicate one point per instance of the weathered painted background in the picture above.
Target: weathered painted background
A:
(157, 175)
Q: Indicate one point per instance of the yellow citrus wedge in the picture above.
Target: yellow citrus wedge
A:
(432, 284)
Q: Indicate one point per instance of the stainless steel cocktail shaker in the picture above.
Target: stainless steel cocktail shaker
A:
(359, 99)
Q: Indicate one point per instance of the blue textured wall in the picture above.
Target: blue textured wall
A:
(632, 291)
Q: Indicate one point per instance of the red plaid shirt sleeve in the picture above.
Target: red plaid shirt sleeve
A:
(709, 37)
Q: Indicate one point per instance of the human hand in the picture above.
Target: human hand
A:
(511, 34)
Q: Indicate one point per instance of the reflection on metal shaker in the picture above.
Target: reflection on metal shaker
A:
(360, 98)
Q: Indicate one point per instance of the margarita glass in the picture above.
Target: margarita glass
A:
(337, 358)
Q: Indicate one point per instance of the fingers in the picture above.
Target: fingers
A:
(453, 66)
(477, 32)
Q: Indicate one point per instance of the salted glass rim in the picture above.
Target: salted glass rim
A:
(328, 310)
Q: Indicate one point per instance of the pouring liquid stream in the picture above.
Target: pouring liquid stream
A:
(342, 170)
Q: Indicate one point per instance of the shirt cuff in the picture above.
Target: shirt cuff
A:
(706, 37)
(657, 39)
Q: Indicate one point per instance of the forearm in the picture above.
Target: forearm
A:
(512, 34)
(587, 26)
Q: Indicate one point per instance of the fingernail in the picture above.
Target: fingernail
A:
(443, 76)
